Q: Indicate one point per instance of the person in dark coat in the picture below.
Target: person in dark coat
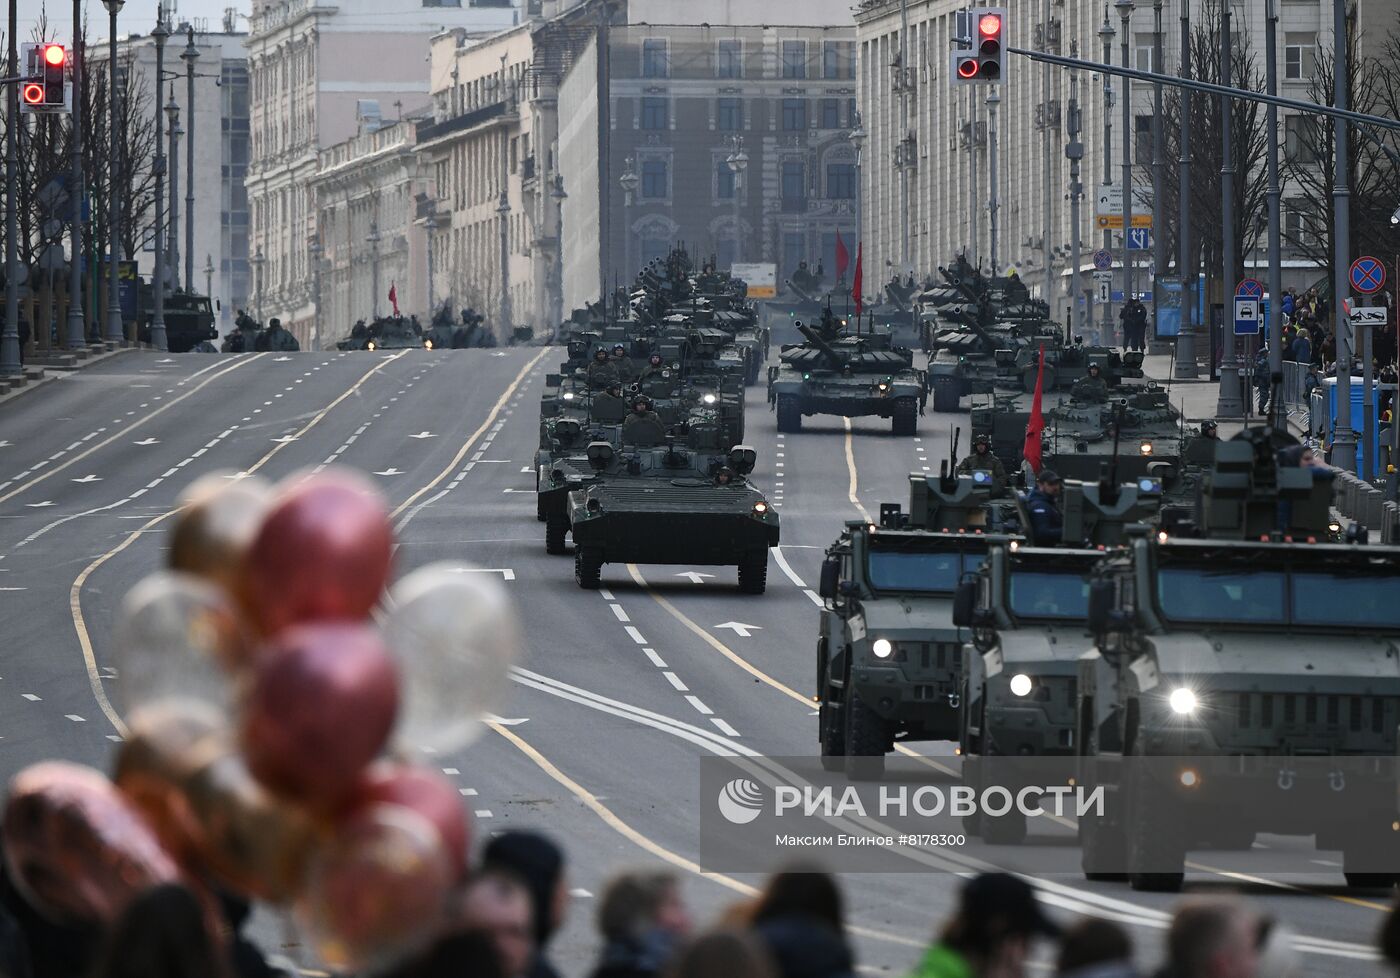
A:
(540, 865)
(32, 946)
(642, 919)
(801, 918)
(1047, 522)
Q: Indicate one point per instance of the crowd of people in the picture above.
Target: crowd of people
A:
(518, 898)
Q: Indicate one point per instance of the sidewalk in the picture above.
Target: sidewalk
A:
(1198, 398)
(44, 367)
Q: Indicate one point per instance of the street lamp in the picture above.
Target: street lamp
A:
(76, 326)
(373, 240)
(559, 196)
(738, 162)
(316, 251)
(430, 225)
(189, 56)
(858, 136)
(114, 306)
(208, 275)
(1106, 34)
(1125, 12)
(172, 113)
(257, 262)
(628, 181)
(158, 336)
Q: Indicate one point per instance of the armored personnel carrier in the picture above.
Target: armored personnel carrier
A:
(1243, 680)
(189, 320)
(671, 504)
(1139, 428)
(889, 658)
(386, 333)
(847, 375)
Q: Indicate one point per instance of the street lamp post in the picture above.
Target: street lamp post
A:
(257, 262)
(858, 137)
(628, 181)
(1074, 152)
(993, 101)
(208, 275)
(1229, 403)
(114, 305)
(1344, 445)
(158, 337)
(429, 226)
(1106, 35)
(1185, 366)
(1125, 12)
(75, 268)
(9, 339)
(189, 56)
(372, 239)
(738, 162)
(172, 112)
(316, 251)
(557, 297)
(1274, 191)
(1159, 169)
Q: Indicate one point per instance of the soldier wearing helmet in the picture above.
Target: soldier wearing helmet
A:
(983, 459)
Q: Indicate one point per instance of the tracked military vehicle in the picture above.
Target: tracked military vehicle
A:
(846, 375)
(889, 658)
(1243, 680)
(1027, 615)
(1139, 428)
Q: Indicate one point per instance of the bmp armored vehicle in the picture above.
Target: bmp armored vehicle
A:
(1027, 611)
(846, 375)
(1245, 680)
(889, 658)
(1138, 429)
(386, 333)
(671, 504)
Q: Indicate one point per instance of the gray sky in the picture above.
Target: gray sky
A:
(138, 16)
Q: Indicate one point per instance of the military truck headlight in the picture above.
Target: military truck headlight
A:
(370, 345)
(427, 344)
(568, 397)
(882, 386)
(882, 647)
(759, 508)
(1145, 448)
(1182, 701)
(1021, 684)
(806, 376)
(709, 399)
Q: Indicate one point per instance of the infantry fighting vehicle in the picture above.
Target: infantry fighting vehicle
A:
(889, 658)
(1243, 680)
(847, 375)
(386, 333)
(1138, 428)
(663, 504)
(189, 320)
(1027, 611)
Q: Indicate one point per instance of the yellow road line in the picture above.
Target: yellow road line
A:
(75, 594)
(1264, 881)
(851, 468)
(125, 430)
(467, 445)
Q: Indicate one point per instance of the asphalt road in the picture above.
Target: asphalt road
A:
(623, 690)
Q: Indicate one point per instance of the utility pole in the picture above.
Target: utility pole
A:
(993, 100)
(1274, 192)
(1074, 152)
(172, 112)
(503, 209)
(1125, 11)
(1185, 367)
(115, 331)
(1106, 35)
(1045, 153)
(76, 330)
(10, 365)
(189, 56)
(158, 337)
(905, 144)
(972, 176)
(1159, 167)
(1344, 443)
(1229, 404)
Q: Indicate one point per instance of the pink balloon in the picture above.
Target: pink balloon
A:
(323, 552)
(320, 707)
(430, 795)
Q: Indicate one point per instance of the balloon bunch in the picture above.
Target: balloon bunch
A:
(260, 679)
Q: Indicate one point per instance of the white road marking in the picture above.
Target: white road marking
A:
(506, 573)
(696, 577)
(31, 697)
(390, 471)
(467, 792)
(46, 502)
(482, 813)
(74, 717)
(740, 629)
(635, 635)
(656, 660)
(696, 702)
(724, 728)
(617, 610)
(675, 681)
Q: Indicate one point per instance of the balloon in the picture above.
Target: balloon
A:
(456, 636)
(377, 890)
(216, 526)
(176, 636)
(76, 848)
(323, 552)
(319, 708)
(431, 796)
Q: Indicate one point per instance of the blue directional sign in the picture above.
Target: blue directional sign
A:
(1139, 239)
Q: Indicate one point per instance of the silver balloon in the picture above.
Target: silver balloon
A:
(455, 633)
(177, 636)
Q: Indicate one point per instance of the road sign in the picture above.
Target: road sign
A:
(1103, 286)
(1246, 315)
(1109, 200)
(1250, 288)
(1103, 260)
(1115, 221)
(1367, 275)
(1368, 316)
(1139, 239)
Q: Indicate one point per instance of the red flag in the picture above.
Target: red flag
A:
(394, 297)
(855, 287)
(1030, 451)
(843, 257)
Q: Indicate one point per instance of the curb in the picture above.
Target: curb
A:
(48, 373)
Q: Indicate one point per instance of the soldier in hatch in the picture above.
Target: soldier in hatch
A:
(983, 459)
(1091, 387)
(610, 403)
(643, 426)
(602, 371)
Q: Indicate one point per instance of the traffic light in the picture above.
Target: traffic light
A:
(990, 40)
(44, 87)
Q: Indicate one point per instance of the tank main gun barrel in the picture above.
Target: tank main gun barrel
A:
(834, 359)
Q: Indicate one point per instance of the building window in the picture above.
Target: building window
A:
(1142, 139)
(729, 59)
(724, 181)
(656, 179)
(1299, 229)
(794, 114)
(1299, 56)
(654, 112)
(840, 181)
(654, 61)
(729, 116)
(794, 251)
(839, 59)
(794, 186)
(1143, 45)
(831, 113)
(794, 59)
(1301, 140)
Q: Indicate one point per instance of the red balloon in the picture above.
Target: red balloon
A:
(320, 707)
(323, 552)
(430, 795)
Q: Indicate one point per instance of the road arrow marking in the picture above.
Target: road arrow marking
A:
(695, 576)
(505, 572)
(5, 444)
(740, 628)
(390, 471)
(46, 502)
(284, 439)
(423, 434)
(280, 359)
(147, 441)
(89, 478)
(167, 360)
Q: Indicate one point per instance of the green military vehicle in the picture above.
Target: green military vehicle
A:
(188, 316)
(1240, 679)
(889, 659)
(1027, 611)
(1138, 427)
(672, 504)
(851, 375)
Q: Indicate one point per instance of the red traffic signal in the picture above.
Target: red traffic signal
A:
(967, 68)
(32, 93)
(989, 25)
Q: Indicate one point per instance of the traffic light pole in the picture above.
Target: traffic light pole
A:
(1106, 33)
(1185, 367)
(10, 365)
(76, 330)
(1229, 404)
(1276, 414)
(1344, 443)
(993, 100)
(1125, 10)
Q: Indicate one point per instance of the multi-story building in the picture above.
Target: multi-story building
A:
(693, 85)
(317, 70)
(220, 217)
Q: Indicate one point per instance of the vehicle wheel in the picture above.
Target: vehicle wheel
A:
(1156, 851)
(1359, 861)
(789, 413)
(945, 396)
(867, 740)
(829, 729)
(539, 508)
(906, 417)
(753, 572)
(588, 567)
(1004, 830)
(555, 530)
(1369, 881)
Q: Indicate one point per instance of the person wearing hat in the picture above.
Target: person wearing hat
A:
(983, 459)
(1209, 429)
(1091, 387)
(539, 864)
(623, 363)
(1047, 522)
(997, 918)
(643, 426)
(602, 371)
(610, 404)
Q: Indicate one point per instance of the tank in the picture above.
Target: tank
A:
(387, 333)
(664, 505)
(189, 320)
(848, 375)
